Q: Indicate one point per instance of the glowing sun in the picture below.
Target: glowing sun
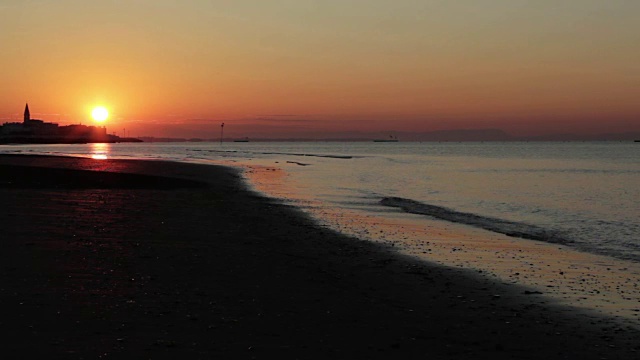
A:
(100, 114)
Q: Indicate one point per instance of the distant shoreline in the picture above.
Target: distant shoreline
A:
(39, 141)
(148, 139)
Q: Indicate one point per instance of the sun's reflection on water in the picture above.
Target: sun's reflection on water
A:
(100, 151)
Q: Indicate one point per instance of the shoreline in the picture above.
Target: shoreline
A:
(200, 266)
(569, 275)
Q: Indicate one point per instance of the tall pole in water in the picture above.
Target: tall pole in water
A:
(221, 132)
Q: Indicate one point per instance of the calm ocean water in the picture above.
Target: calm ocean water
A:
(585, 195)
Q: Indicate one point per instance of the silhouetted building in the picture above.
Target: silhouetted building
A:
(37, 131)
(27, 114)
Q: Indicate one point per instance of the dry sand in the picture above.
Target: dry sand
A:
(149, 259)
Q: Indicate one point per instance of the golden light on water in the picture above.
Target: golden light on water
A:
(100, 151)
(100, 114)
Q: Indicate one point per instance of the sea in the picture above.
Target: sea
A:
(584, 195)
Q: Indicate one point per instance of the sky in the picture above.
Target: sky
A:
(287, 68)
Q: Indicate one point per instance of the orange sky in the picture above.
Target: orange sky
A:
(168, 67)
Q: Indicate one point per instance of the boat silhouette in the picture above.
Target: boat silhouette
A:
(390, 139)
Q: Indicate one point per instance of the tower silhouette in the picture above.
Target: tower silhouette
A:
(27, 114)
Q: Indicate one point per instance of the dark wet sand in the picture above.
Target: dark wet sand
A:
(167, 260)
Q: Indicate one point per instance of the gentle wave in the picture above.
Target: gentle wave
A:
(279, 153)
(509, 228)
(559, 171)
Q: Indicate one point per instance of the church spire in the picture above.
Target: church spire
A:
(27, 114)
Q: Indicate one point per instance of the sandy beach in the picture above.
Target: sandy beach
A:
(151, 259)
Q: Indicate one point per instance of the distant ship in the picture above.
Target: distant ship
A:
(390, 139)
(242, 140)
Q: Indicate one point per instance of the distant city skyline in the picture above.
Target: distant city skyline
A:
(37, 131)
(287, 69)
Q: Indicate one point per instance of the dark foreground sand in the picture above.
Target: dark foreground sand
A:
(165, 260)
